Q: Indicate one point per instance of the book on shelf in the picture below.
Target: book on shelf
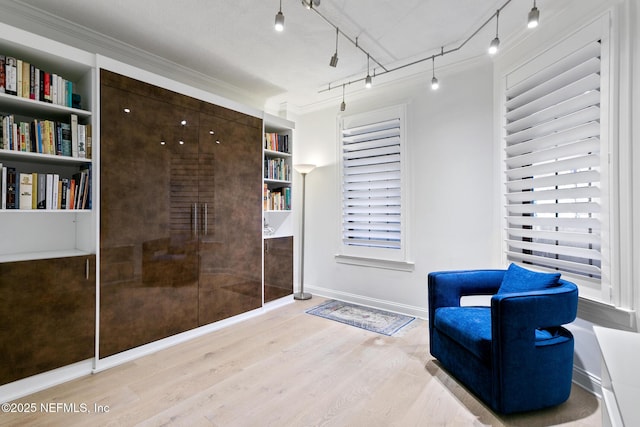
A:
(3, 186)
(11, 76)
(9, 187)
(277, 169)
(276, 142)
(82, 141)
(278, 199)
(45, 190)
(25, 189)
(74, 135)
(26, 80)
(2, 74)
(45, 136)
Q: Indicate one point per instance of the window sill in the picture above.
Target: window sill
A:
(376, 263)
(606, 315)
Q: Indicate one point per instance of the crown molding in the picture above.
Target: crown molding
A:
(29, 18)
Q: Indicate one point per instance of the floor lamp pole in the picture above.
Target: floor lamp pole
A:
(304, 169)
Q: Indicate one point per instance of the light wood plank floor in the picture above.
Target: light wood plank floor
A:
(288, 368)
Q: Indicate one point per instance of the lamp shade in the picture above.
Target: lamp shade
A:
(304, 167)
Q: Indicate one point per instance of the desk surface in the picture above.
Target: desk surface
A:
(620, 351)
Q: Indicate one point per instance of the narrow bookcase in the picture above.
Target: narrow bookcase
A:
(45, 131)
(277, 176)
(277, 149)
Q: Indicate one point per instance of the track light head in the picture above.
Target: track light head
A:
(279, 25)
(334, 60)
(343, 106)
(310, 4)
(368, 82)
(493, 47)
(434, 83)
(534, 17)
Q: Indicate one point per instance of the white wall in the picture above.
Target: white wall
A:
(451, 161)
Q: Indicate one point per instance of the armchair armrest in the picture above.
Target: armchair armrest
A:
(535, 309)
(446, 287)
(516, 355)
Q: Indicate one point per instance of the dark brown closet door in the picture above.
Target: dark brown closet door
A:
(149, 215)
(230, 245)
(47, 315)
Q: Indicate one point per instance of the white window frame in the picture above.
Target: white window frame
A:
(388, 258)
(589, 36)
(610, 303)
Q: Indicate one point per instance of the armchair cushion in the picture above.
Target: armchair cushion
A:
(518, 279)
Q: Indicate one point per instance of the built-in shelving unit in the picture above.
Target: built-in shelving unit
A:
(277, 153)
(47, 233)
(277, 177)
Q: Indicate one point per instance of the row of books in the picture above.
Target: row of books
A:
(277, 199)
(25, 80)
(276, 142)
(46, 137)
(44, 190)
(277, 169)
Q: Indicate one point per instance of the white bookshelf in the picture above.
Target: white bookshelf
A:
(278, 220)
(43, 233)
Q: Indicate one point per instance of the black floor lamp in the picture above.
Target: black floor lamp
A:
(303, 169)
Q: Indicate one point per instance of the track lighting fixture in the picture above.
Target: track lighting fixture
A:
(279, 19)
(493, 47)
(368, 80)
(334, 58)
(434, 81)
(534, 16)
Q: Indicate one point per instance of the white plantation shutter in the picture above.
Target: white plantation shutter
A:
(372, 184)
(553, 165)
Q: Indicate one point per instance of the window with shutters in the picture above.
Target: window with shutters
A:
(556, 160)
(372, 163)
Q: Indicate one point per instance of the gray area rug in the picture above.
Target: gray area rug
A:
(371, 319)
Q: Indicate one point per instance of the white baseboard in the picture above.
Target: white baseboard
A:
(395, 307)
(587, 381)
(36, 383)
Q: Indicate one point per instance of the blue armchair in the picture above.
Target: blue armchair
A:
(514, 355)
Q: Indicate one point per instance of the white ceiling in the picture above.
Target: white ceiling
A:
(234, 40)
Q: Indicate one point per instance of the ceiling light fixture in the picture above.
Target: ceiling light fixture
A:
(493, 47)
(434, 81)
(384, 70)
(367, 81)
(279, 19)
(334, 58)
(343, 106)
(534, 16)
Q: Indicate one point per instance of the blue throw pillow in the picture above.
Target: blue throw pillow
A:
(518, 279)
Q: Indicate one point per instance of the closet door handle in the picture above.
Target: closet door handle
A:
(194, 219)
(86, 269)
(205, 218)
